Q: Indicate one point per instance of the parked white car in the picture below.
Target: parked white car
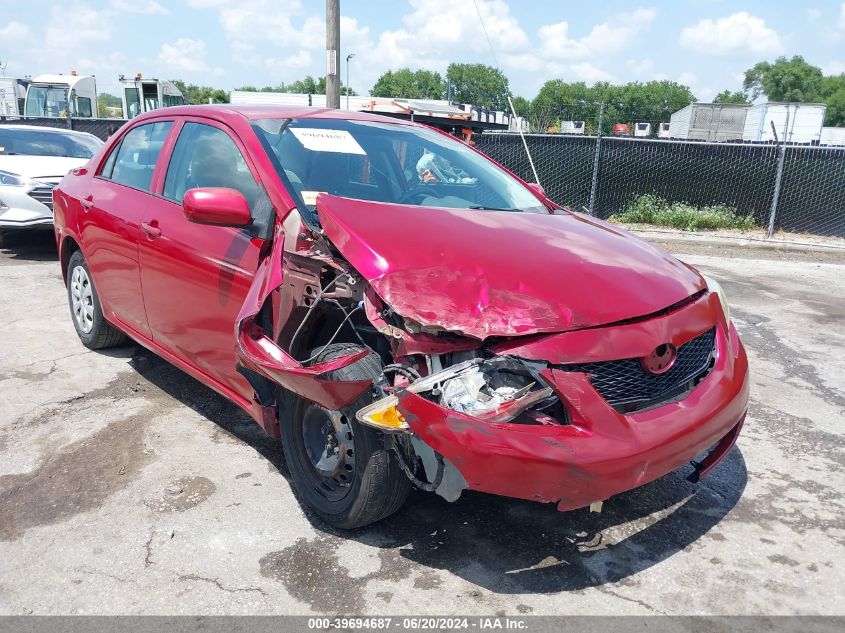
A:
(32, 162)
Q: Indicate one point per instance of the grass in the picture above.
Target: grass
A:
(649, 209)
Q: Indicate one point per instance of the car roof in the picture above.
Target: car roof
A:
(253, 112)
(44, 128)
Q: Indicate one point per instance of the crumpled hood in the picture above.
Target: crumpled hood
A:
(50, 168)
(500, 273)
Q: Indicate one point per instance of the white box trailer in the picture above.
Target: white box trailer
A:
(709, 122)
(642, 129)
(832, 136)
(794, 122)
(572, 127)
(12, 96)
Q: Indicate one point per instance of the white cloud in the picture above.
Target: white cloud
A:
(184, 54)
(834, 68)
(143, 7)
(300, 59)
(70, 30)
(608, 37)
(813, 14)
(13, 30)
(840, 23)
(644, 69)
(737, 32)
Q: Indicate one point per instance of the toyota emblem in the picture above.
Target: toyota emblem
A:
(660, 360)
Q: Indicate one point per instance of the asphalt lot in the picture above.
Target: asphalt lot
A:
(96, 447)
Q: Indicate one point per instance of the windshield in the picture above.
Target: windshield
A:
(46, 101)
(386, 162)
(47, 143)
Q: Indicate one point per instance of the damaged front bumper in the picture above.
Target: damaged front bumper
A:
(600, 452)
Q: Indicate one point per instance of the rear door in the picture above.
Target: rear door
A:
(110, 225)
(195, 277)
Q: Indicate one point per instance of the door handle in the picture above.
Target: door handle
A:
(151, 228)
(87, 202)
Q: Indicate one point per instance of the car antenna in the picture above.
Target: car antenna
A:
(510, 101)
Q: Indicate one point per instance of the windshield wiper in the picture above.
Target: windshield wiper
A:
(481, 207)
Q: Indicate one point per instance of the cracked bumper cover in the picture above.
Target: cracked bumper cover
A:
(603, 452)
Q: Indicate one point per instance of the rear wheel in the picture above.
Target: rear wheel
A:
(88, 320)
(341, 470)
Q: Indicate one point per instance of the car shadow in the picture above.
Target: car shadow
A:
(34, 246)
(506, 545)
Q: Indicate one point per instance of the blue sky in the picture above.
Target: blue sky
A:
(706, 44)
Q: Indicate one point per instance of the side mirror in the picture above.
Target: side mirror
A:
(538, 189)
(220, 206)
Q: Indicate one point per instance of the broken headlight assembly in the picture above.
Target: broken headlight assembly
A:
(498, 389)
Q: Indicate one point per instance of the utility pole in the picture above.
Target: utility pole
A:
(333, 53)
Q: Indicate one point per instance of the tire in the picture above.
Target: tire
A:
(85, 311)
(376, 486)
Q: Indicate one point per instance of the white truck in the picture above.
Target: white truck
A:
(62, 96)
(141, 95)
(12, 96)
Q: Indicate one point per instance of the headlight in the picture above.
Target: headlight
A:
(8, 178)
(714, 286)
(494, 390)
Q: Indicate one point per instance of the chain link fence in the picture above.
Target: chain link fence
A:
(101, 128)
(797, 188)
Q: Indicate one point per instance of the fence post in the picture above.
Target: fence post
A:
(595, 183)
(776, 194)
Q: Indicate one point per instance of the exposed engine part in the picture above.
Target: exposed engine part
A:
(360, 306)
(409, 372)
(315, 303)
(419, 483)
(452, 483)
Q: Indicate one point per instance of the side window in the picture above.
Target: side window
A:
(206, 156)
(83, 107)
(137, 154)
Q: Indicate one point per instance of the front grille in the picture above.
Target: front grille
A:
(44, 195)
(628, 387)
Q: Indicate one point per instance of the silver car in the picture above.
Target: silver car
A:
(32, 161)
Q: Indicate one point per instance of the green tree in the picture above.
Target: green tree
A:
(195, 94)
(652, 102)
(787, 80)
(479, 85)
(407, 84)
(308, 85)
(522, 106)
(726, 96)
(833, 95)
(106, 101)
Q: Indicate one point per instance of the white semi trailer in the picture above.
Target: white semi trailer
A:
(61, 96)
(12, 96)
(141, 95)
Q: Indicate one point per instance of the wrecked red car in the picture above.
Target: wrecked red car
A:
(398, 309)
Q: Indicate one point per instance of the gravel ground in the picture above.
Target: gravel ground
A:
(128, 487)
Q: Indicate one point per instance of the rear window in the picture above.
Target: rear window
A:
(47, 143)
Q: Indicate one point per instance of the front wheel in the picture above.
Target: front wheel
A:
(88, 320)
(341, 470)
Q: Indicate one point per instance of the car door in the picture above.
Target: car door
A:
(110, 225)
(195, 277)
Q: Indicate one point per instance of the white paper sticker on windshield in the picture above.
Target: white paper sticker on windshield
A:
(310, 197)
(317, 140)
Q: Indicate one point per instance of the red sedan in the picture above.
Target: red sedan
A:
(398, 309)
